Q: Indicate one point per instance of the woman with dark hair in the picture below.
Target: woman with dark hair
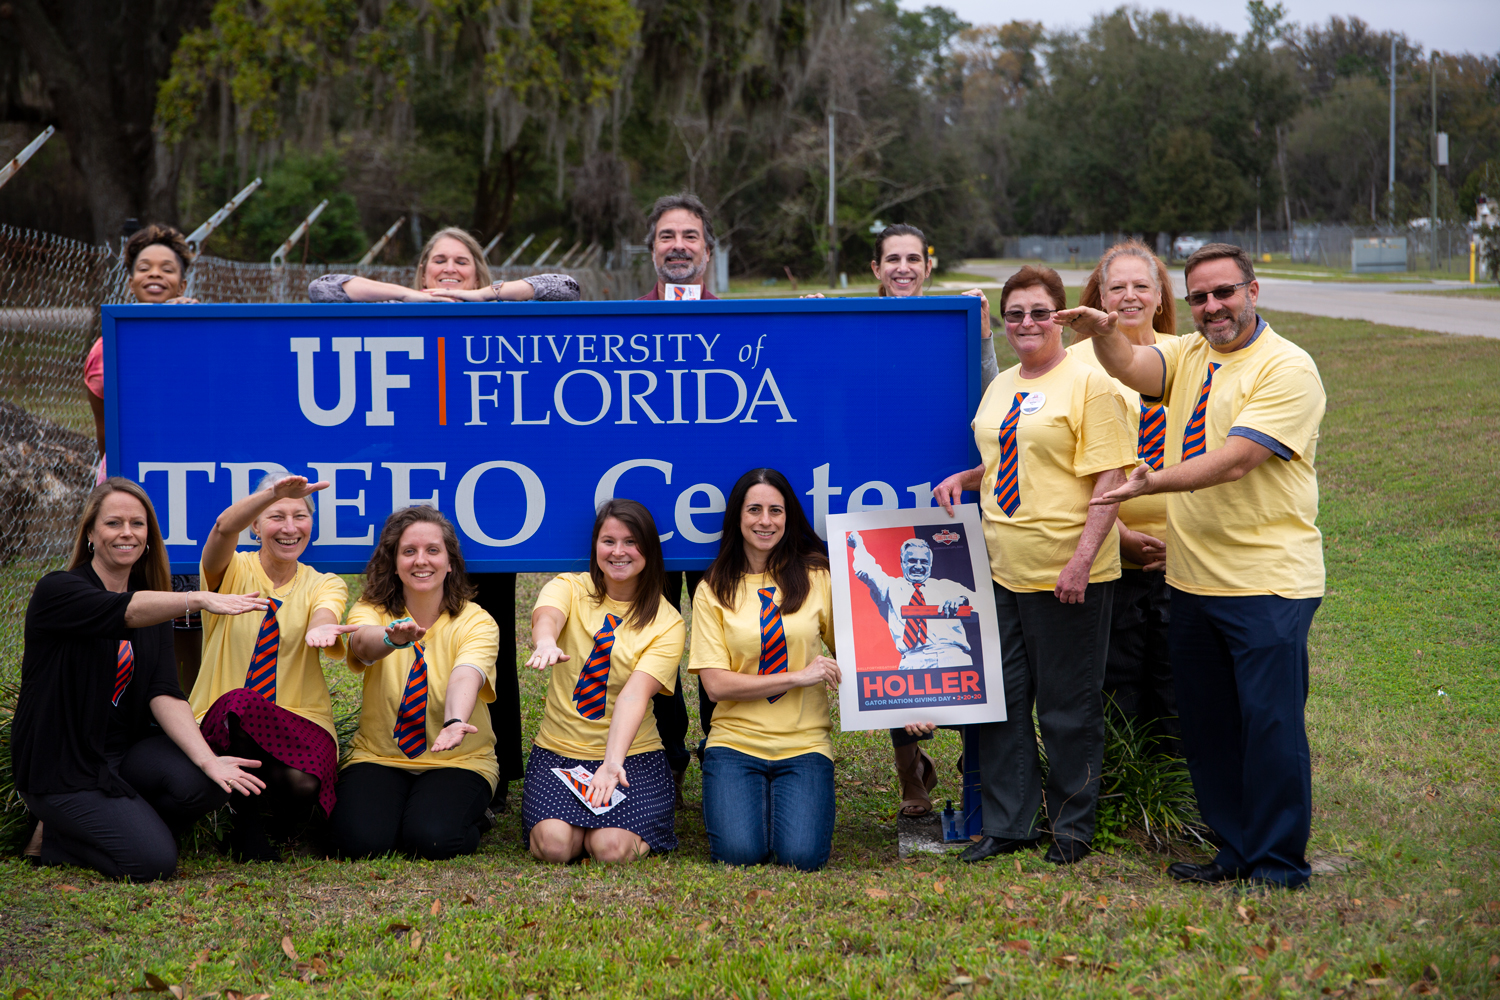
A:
(1132, 282)
(420, 774)
(261, 693)
(96, 672)
(452, 268)
(761, 617)
(1052, 434)
(611, 643)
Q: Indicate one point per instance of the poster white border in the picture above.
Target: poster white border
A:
(852, 717)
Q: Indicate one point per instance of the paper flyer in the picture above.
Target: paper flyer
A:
(682, 293)
(577, 781)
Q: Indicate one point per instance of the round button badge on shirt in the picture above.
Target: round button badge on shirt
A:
(1033, 402)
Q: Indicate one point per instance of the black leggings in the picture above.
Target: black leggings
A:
(123, 837)
(496, 593)
(435, 815)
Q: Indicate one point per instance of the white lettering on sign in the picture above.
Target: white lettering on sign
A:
(330, 502)
(518, 416)
(820, 493)
(176, 494)
(346, 348)
(640, 397)
(768, 382)
(381, 382)
(887, 501)
(739, 384)
(401, 483)
(611, 479)
(562, 410)
(476, 397)
(463, 503)
(686, 509)
(239, 484)
(921, 495)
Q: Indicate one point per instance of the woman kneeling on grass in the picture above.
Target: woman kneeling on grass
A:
(760, 619)
(611, 643)
(419, 777)
(97, 672)
(261, 692)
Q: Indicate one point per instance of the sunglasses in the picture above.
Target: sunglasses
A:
(1016, 317)
(1222, 293)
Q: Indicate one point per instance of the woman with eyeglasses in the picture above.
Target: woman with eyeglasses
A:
(1133, 283)
(1052, 434)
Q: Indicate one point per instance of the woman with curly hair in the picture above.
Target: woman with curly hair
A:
(422, 768)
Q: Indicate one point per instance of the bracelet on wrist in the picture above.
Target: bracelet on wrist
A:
(451, 722)
(386, 636)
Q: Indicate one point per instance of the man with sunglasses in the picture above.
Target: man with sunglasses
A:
(1244, 558)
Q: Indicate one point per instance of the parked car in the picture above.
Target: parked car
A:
(1185, 246)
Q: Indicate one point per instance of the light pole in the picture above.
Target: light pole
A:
(1390, 185)
(833, 252)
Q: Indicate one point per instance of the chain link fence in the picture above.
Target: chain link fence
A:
(51, 289)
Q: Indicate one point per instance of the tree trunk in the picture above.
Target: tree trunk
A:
(495, 194)
(100, 64)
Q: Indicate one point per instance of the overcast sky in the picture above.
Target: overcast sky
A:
(1447, 25)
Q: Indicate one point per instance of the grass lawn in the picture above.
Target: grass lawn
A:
(1403, 718)
(1476, 292)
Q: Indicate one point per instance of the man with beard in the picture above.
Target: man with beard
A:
(921, 642)
(681, 238)
(1244, 558)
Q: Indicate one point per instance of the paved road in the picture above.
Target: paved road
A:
(1378, 302)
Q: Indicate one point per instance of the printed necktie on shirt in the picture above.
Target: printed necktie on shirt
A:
(411, 717)
(1008, 477)
(124, 668)
(1151, 447)
(1195, 438)
(261, 677)
(915, 633)
(772, 638)
(592, 689)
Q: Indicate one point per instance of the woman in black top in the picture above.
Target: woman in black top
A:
(112, 791)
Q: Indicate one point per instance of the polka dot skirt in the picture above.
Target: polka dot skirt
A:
(286, 736)
(649, 809)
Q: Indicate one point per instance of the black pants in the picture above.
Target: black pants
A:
(435, 815)
(1138, 672)
(496, 593)
(671, 709)
(1053, 657)
(123, 837)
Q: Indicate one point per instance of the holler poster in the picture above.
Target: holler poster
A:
(914, 618)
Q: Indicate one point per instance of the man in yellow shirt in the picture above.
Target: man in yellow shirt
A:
(1244, 558)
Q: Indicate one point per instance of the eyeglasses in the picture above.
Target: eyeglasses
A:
(1221, 293)
(1016, 317)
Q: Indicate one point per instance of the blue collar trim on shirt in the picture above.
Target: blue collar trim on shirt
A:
(1260, 326)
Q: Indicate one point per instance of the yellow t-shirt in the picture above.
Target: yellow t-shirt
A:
(472, 638)
(1258, 535)
(656, 649)
(1147, 514)
(796, 723)
(1076, 428)
(229, 640)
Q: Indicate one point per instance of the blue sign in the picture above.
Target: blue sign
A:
(517, 420)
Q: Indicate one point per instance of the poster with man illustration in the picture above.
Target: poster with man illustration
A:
(914, 618)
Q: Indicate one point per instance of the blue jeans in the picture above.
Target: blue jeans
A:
(755, 808)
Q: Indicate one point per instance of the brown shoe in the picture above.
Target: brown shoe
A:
(918, 774)
(33, 848)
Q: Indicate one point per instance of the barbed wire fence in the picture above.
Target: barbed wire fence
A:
(51, 289)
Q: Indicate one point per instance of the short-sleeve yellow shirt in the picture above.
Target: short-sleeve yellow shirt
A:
(472, 638)
(1257, 535)
(1071, 425)
(1147, 514)
(229, 640)
(729, 639)
(655, 649)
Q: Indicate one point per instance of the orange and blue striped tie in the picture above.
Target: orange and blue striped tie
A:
(1008, 478)
(1152, 445)
(124, 668)
(1195, 438)
(915, 633)
(592, 689)
(772, 638)
(411, 717)
(261, 677)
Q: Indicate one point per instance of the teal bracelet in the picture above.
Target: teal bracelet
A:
(387, 638)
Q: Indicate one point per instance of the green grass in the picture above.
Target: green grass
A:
(1475, 292)
(1404, 829)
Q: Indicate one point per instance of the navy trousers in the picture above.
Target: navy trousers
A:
(1240, 666)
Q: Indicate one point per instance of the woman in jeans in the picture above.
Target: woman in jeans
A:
(760, 619)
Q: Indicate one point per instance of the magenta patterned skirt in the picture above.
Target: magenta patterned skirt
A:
(286, 736)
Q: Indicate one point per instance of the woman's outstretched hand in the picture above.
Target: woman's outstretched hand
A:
(228, 773)
(231, 604)
(452, 735)
(295, 488)
(403, 631)
(545, 655)
(324, 636)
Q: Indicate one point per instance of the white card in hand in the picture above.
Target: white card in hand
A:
(577, 781)
(680, 293)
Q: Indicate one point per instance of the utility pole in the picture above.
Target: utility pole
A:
(1432, 217)
(1390, 184)
(833, 253)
